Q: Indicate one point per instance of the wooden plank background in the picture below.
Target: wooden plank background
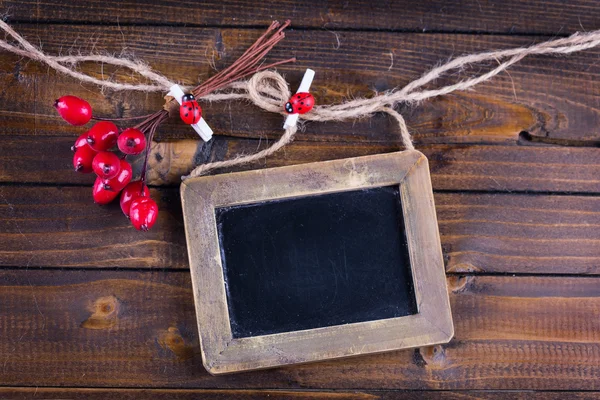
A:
(90, 305)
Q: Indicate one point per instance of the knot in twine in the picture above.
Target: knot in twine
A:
(268, 90)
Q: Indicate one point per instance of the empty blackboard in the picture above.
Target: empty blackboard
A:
(315, 261)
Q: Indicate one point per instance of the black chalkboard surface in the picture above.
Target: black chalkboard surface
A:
(315, 261)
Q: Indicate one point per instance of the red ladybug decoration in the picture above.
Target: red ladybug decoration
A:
(190, 112)
(300, 103)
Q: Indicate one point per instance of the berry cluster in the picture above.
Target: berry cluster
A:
(113, 173)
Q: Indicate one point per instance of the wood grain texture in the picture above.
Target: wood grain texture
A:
(126, 328)
(521, 100)
(550, 17)
(227, 394)
(62, 227)
(67, 326)
(189, 394)
(492, 233)
(493, 168)
(519, 233)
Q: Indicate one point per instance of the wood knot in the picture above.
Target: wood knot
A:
(105, 312)
(433, 356)
(458, 283)
(172, 340)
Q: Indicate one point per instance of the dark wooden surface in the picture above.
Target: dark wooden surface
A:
(90, 308)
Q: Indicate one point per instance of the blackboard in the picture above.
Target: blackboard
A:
(315, 261)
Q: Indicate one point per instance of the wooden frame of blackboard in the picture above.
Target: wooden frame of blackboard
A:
(222, 353)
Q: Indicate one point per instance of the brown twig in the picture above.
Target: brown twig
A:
(242, 67)
(246, 64)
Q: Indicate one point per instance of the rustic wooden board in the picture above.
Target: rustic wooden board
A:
(550, 17)
(191, 394)
(62, 227)
(184, 394)
(227, 394)
(494, 168)
(495, 112)
(504, 233)
(127, 328)
(492, 233)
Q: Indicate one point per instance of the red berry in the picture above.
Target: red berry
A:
(132, 192)
(74, 110)
(117, 183)
(100, 194)
(143, 213)
(83, 159)
(132, 141)
(81, 141)
(103, 136)
(106, 165)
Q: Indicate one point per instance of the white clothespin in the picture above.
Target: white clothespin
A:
(201, 127)
(309, 75)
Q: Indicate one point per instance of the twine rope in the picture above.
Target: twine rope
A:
(269, 91)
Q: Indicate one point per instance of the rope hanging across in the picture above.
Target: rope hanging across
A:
(268, 90)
